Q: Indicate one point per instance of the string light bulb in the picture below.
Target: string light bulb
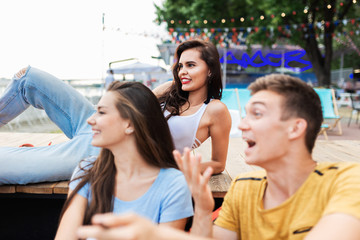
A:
(205, 21)
(188, 21)
(329, 6)
(242, 19)
(283, 15)
(172, 21)
(223, 20)
(262, 17)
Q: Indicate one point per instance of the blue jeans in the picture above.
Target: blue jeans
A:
(66, 107)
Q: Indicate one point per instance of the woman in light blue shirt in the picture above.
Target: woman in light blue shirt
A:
(135, 170)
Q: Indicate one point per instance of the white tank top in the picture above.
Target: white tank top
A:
(183, 129)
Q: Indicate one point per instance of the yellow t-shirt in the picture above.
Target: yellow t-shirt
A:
(331, 188)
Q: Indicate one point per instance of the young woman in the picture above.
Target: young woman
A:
(135, 170)
(190, 103)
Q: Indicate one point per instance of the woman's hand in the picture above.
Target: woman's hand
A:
(109, 226)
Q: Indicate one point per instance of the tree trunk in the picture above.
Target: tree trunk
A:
(317, 60)
(321, 62)
(322, 71)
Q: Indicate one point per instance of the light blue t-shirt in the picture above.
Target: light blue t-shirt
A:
(168, 198)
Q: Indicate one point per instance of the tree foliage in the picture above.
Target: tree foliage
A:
(311, 24)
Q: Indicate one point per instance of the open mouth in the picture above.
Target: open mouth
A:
(95, 132)
(250, 143)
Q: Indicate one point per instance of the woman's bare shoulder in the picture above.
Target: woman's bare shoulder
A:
(218, 114)
(217, 107)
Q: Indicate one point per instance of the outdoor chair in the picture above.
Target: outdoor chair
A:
(323, 129)
(355, 105)
(330, 111)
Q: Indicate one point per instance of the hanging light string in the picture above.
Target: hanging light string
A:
(237, 36)
(246, 20)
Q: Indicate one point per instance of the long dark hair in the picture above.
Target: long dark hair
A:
(153, 141)
(175, 97)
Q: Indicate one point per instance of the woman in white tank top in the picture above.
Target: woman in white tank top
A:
(191, 102)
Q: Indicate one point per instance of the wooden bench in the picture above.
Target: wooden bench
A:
(340, 150)
(218, 183)
(37, 188)
(8, 139)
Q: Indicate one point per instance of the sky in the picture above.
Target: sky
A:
(66, 37)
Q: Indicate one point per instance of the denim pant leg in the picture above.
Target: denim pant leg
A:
(67, 108)
(40, 164)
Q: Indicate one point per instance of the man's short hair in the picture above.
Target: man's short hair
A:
(300, 100)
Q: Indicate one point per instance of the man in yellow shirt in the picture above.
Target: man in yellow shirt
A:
(294, 197)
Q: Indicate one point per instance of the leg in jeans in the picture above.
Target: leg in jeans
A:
(67, 108)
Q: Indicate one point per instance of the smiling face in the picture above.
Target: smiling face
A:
(107, 125)
(262, 129)
(193, 71)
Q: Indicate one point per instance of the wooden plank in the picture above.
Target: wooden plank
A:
(336, 151)
(36, 188)
(348, 147)
(324, 153)
(61, 187)
(219, 184)
(7, 189)
(345, 153)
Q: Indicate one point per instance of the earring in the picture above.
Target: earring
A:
(129, 131)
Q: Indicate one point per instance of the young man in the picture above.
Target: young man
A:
(292, 198)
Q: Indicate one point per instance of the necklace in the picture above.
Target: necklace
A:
(200, 103)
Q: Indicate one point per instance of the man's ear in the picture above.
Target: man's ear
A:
(297, 128)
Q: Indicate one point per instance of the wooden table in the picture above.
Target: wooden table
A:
(331, 151)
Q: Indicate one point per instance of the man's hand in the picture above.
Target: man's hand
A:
(110, 227)
(200, 189)
(197, 182)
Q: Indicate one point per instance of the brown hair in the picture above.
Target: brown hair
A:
(175, 97)
(300, 100)
(153, 140)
